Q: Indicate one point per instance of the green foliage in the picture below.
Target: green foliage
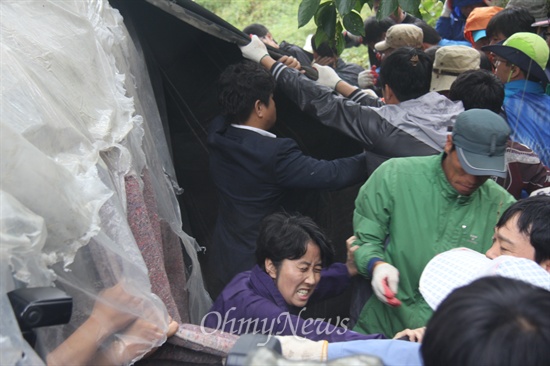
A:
(280, 17)
(410, 6)
(306, 11)
(334, 14)
(344, 6)
(387, 7)
(354, 23)
(283, 18)
(430, 11)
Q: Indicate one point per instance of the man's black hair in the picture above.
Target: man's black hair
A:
(324, 50)
(509, 21)
(533, 221)
(430, 34)
(484, 62)
(494, 321)
(408, 72)
(374, 28)
(240, 86)
(430, 51)
(284, 236)
(257, 29)
(478, 89)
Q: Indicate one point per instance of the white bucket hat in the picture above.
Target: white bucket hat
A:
(458, 267)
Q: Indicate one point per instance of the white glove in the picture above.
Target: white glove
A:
(365, 79)
(298, 348)
(327, 76)
(447, 10)
(255, 50)
(385, 277)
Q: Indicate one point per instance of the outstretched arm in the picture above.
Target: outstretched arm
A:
(115, 312)
(106, 318)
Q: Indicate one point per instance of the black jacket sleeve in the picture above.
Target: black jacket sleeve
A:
(359, 121)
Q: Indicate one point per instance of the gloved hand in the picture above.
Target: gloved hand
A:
(298, 348)
(255, 50)
(447, 9)
(327, 76)
(385, 280)
(366, 79)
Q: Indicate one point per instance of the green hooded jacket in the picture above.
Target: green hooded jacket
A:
(409, 204)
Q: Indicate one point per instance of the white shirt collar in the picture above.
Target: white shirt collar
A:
(255, 129)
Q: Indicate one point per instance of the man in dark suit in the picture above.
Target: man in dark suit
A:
(254, 171)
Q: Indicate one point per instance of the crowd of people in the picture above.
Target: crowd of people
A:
(449, 259)
(455, 130)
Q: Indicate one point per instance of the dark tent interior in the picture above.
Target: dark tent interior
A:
(184, 62)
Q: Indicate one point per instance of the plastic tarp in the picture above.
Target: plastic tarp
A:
(80, 127)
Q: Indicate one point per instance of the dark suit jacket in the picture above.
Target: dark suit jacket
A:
(253, 174)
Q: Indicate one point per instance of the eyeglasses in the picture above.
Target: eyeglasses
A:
(497, 61)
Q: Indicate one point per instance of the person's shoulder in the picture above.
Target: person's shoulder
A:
(216, 124)
(410, 19)
(410, 162)
(519, 153)
(285, 143)
(235, 290)
(241, 282)
(405, 166)
(491, 190)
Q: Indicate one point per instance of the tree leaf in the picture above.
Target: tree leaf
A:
(306, 11)
(359, 5)
(326, 19)
(387, 8)
(354, 23)
(320, 36)
(340, 41)
(344, 6)
(322, 9)
(411, 6)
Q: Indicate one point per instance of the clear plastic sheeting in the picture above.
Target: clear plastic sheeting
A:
(87, 199)
(22, 237)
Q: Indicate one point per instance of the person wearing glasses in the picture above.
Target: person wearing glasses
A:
(520, 64)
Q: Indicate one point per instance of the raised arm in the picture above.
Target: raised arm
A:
(318, 99)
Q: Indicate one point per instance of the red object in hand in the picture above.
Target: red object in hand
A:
(392, 300)
(374, 73)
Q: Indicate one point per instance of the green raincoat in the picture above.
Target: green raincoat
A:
(409, 203)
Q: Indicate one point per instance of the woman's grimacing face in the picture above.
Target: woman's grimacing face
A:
(296, 279)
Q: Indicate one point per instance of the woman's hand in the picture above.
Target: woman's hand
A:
(350, 261)
(414, 335)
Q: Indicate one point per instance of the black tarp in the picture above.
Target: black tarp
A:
(184, 62)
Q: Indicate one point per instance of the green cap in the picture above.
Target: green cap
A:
(526, 50)
(480, 137)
